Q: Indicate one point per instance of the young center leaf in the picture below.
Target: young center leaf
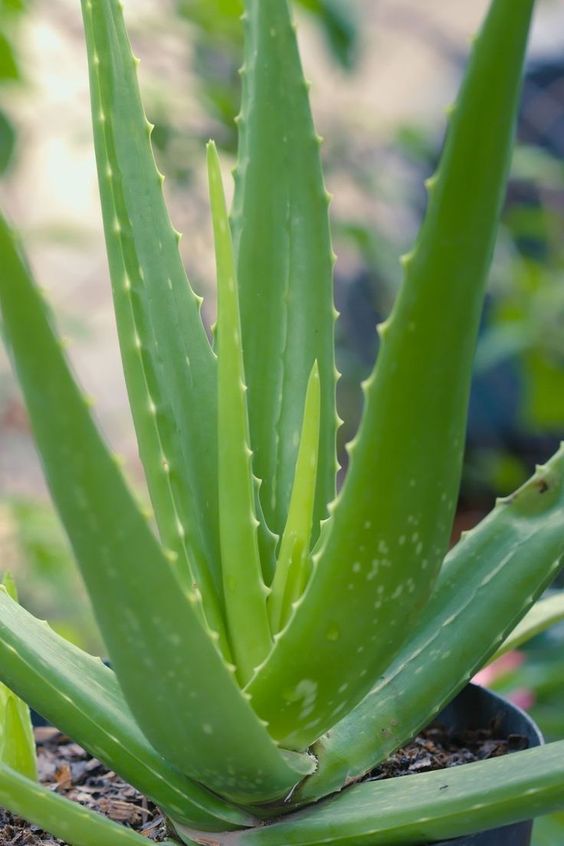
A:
(243, 586)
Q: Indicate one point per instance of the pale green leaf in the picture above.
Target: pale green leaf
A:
(425, 808)
(546, 613)
(243, 586)
(17, 748)
(72, 823)
(293, 566)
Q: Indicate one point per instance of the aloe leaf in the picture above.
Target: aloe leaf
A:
(79, 695)
(284, 261)
(10, 584)
(390, 527)
(157, 634)
(243, 585)
(292, 568)
(426, 808)
(546, 613)
(267, 539)
(17, 743)
(69, 821)
(169, 366)
(489, 581)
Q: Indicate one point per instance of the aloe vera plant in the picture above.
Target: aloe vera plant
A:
(293, 637)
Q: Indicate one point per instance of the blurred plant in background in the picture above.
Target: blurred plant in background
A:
(214, 27)
(533, 678)
(11, 12)
(36, 550)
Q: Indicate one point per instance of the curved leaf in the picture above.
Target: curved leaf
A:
(546, 613)
(72, 823)
(243, 585)
(489, 581)
(17, 743)
(81, 696)
(425, 808)
(292, 570)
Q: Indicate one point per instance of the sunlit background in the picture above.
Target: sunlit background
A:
(383, 74)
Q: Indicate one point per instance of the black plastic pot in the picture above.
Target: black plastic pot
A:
(475, 708)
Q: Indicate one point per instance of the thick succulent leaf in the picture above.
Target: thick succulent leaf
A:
(17, 743)
(390, 527)
(489, 581)
(9, 69)
(150, 625)
(292, 569)
(267, 539)
(72, 823)
(243, 585)
(17, 748)
(10, 584)
(169, 366)
(79, 695)
(284, 257)
(426, 808)
(546, 613)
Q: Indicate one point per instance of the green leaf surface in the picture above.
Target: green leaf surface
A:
(549, 831)
(292, 569)
(489, 581)
(379, 556)
(284, 261)
(13, 6)
(18, 742)
(546, 613)
(150, 625)
(426, 808)
(79, 695)
(8, 138)
(170, 368)
(243, 585)
(72, 823)
(9, 70)
(10, 584)
(339, 21)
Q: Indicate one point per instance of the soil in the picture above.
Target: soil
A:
(66, 768)
(438, 748)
